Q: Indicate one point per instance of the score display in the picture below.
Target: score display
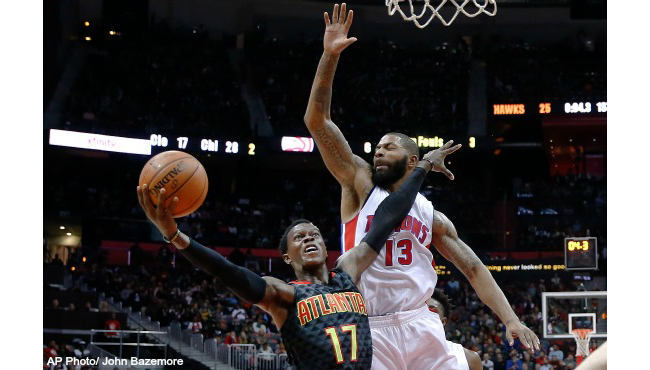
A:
(201, 144)
(549, 108)
(581, 253)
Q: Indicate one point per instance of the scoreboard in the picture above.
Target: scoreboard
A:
(572, 107)
(159, 142)
(581, 253)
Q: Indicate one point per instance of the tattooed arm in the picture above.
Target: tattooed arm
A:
(351, 171)
(447, 242)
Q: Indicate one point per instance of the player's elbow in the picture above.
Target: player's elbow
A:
(313, 119)
(473, 271)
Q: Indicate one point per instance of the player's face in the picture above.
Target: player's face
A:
(390, 161)
(435, 306)
(305, 246)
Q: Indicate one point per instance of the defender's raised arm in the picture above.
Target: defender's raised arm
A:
(331, 143)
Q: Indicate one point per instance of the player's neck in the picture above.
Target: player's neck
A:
(315, 275)
(398, 184)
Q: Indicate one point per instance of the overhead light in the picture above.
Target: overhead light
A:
(86, 23)
(72, 268)
(68, 234)
(88, 38)
(62, 227)
(83, 259)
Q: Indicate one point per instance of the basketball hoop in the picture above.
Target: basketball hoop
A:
(582, 337)
(488, 7)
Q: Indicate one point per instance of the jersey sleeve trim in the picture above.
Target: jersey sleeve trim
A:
(349, 229)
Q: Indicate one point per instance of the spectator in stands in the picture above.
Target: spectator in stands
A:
(499, 363)
(51, 350)
(195, 326)
(112, 324)
(545, 364)
(55, 304)
(514, 363)
(259, 325)
(261, 338)
(243, 337)
(206, 311)
(231, 338)
(570, 361)
(80, 348)
(103, 306)
(68, 351)
(71, 307)
(89, 308)
(453, 285)
(281, 350)
(239, 313)
(556, 353)
(487, 363)
(126, 292)
(528, 360)
(265, 353)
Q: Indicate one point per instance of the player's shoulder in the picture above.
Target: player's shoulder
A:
(340, 274)
(473, 359)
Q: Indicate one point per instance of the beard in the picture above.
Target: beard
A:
(388, 177)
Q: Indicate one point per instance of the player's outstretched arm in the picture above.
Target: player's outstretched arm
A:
(447, 242)
(390, 213)
(266, 293)
(334, 149)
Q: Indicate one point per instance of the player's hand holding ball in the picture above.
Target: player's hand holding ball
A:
(172, 184)
(336, 31)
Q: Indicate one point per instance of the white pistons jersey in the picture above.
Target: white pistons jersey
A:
(458, 351)
(402, 277)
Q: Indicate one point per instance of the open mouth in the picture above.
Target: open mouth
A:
(311, 249)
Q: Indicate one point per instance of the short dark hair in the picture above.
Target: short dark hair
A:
(283, 241)
(408, 143)
(441, 297)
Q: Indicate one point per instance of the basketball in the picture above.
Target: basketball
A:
(181, 175)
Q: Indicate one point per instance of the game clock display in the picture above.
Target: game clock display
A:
(581, 253)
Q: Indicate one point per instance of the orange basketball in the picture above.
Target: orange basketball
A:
(181, 175)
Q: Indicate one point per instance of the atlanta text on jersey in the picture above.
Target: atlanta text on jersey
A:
(313, 307)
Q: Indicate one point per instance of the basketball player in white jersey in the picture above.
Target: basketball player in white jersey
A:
(440, 305)
(397, 284)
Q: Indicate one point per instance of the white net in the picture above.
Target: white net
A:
(422, 12)
(582, 337)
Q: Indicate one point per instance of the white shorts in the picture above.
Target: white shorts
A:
(410, 340)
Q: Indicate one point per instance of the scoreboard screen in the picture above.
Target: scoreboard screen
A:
(581, 253)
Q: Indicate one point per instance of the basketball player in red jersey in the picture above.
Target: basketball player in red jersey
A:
(402, 278)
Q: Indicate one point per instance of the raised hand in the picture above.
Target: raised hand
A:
(336, 31)
(515, 329)
(161, 216)
(437, 158)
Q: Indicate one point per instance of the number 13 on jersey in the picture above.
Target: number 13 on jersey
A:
(404, 246)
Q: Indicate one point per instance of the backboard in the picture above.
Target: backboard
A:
(565, 311)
